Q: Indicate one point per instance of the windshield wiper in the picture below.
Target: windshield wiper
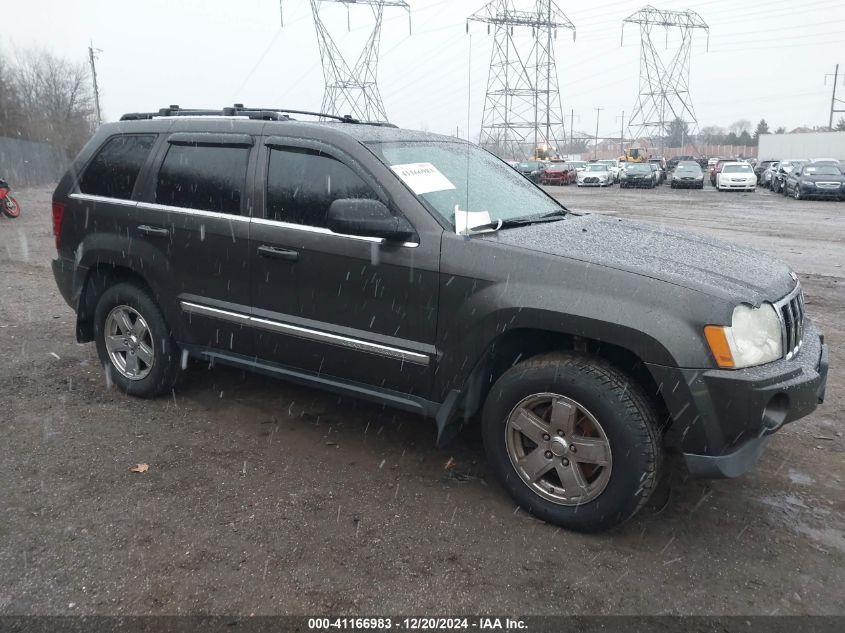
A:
(525, 220)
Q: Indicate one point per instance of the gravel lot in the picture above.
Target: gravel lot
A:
(268, 498)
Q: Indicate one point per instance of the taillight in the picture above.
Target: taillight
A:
(58, 215)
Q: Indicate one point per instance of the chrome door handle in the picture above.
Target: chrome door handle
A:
(153, 231)
(277, 253)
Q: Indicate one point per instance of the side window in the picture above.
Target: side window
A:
(115, 168)
(302, 184)
(206, 177)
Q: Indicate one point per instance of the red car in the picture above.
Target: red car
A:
(717, 169)
(558, 174)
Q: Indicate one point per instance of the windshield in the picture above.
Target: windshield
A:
(822, 170)
(529, 165)
(578, 164)
(596, 167)
(449, 175)
(736, 169)
(607, 162)
(557, 168)
(639, 167)
(688, 169)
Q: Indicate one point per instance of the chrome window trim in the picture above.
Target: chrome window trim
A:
(155, 206)
(307, 333)
(89, 197)
(307, 228)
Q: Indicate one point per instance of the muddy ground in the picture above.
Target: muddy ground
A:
(268, 498)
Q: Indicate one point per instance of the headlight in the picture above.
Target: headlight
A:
(753, 338)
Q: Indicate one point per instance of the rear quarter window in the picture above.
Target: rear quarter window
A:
(115, 168)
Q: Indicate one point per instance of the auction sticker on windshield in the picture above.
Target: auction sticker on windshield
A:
(422, 177)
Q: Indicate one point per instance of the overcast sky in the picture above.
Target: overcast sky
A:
(765, 59)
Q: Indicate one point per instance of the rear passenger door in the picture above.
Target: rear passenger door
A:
(338, 305)
(198, 213)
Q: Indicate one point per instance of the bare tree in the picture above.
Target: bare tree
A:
(49, 98)
(738, 127)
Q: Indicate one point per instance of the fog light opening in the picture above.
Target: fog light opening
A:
(775, 412)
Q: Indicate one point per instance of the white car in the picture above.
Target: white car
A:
(613, 165)
(736, 176)
(579, 165)
(595, 175)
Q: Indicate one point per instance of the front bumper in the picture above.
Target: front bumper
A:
(593, 183)
(814, 191)
(723, 419)
(689, 184)
(745, 185)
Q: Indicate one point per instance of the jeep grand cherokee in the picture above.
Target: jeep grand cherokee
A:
(422, 272)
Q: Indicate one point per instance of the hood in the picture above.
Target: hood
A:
(699, 263)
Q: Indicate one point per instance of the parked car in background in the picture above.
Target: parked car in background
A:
(736, 176)
(779, 176)
(613, 166)
(661, 164)
(711, 162)
(579, 165)
(814, 180)
(760, 167)
(638, 175)
(766, 177)
(658, 173)
(674, 161)
(595, 175)
(827, 161)
(687, 175)
(716, 169)
(532, 169)
(558, 174)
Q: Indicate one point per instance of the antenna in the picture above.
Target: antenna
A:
(353, 89)
(664, 83)
(522, 106)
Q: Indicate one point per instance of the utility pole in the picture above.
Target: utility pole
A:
(91, 58)
(571, 129)
(833, 99)
(622, 135)
(596, 144)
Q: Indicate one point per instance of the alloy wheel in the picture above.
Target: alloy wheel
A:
(558, 449)
(129, 342)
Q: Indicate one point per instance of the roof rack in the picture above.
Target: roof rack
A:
(262, 114)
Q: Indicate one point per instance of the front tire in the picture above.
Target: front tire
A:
(573, 440)
(134, 342)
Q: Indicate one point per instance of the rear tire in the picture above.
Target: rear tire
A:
(11, 208)
(134, 342)
(583, 402)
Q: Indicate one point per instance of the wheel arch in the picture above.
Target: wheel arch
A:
(100, 277)
(517, 345)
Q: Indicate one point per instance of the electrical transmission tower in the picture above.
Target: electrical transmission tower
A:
(522, 108)
(664, 80)
(353, 89)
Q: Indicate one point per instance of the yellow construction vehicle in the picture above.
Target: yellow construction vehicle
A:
(634, 154)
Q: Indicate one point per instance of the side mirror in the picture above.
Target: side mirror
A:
(368, 218)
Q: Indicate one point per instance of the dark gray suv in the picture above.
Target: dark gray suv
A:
(422, 272)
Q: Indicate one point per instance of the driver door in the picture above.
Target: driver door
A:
(343, 306)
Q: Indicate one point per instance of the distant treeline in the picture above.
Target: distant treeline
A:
(45, 98)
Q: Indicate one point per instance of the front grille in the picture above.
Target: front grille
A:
(591, 179)
(791, 314)
(828, 185)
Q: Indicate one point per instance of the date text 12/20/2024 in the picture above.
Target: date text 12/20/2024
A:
(416, 624)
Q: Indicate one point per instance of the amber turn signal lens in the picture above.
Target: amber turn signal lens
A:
(719, 347)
